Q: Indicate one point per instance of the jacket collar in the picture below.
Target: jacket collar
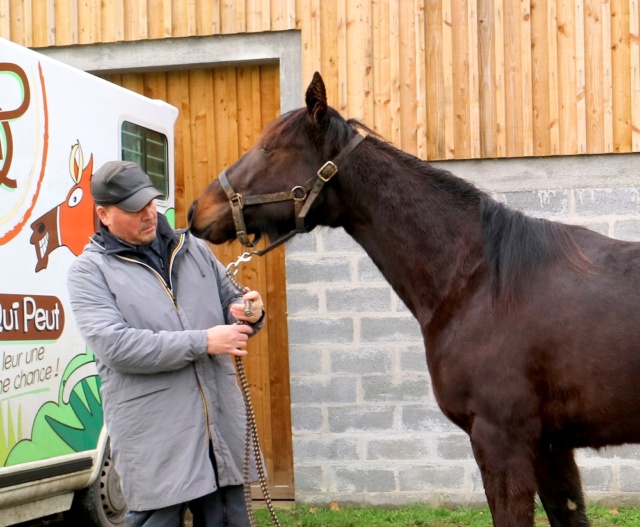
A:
(111, 245)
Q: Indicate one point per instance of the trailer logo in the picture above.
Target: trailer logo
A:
(30, 317)
(24, 114)
(6, 115)
(70, 223)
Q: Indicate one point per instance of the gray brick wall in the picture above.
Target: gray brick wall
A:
(366, 427)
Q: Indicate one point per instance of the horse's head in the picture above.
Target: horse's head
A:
(70, 223)
(274, 189)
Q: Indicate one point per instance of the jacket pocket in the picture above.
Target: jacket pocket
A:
(135, 392)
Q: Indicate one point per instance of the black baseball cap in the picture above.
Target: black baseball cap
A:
(123, 184)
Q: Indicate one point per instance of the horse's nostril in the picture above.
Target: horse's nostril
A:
(191, 212)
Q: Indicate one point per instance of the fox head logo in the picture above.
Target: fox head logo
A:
(70, 223)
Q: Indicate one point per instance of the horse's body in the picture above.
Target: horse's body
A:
(532, 328)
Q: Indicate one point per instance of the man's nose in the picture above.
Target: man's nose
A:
(148, 210)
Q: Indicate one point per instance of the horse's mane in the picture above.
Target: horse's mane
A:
(515, 245)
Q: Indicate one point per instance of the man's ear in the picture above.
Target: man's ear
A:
(103, 214)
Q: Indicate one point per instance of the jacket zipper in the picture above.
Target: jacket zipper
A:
(167, 287)
(169, 290)
(202, 396)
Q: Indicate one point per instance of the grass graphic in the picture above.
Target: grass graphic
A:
(61, 428)
(88, 411)
(9, 437)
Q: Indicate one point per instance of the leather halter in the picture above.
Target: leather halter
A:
(302, 196)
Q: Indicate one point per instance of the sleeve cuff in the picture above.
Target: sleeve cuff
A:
(259, 323)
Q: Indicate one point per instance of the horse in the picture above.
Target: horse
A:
(531, 327)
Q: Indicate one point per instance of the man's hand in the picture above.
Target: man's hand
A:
(238, 310)
(228, 340)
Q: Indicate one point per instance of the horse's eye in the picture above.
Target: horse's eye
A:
(75, 197)
(264, 150)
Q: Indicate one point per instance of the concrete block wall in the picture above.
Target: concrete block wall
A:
(366, 427)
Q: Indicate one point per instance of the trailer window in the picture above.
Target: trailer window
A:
(148, 149)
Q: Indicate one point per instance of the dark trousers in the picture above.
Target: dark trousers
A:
(225, 507)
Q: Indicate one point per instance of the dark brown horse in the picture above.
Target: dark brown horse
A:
(531, 328)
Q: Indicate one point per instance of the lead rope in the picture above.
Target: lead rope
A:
(251, 436)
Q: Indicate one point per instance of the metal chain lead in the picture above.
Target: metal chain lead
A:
(251, 437)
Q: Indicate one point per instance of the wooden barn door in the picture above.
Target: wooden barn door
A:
(221, 112)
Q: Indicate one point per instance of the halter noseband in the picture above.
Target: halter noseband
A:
(302, 196)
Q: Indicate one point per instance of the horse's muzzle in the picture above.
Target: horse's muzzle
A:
(191, 213)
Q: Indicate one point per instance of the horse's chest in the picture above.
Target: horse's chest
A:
(477, 373)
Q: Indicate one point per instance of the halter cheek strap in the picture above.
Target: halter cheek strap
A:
(324, 175)
(235, 200)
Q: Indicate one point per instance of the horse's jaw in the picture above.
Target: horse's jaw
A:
(213, 231)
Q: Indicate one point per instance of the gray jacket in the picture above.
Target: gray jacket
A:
(164, 398)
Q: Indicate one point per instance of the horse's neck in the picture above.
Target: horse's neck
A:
(425, 254)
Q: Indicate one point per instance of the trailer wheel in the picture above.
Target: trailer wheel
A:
(101, 504)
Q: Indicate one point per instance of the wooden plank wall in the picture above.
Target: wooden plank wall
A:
(439, 78)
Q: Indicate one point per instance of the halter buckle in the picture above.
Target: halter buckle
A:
(237, 198)
(327, 171)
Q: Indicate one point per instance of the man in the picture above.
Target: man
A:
(159, 313)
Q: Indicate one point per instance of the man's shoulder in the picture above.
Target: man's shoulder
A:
(199, 247)
(89, 253)
(191, 241)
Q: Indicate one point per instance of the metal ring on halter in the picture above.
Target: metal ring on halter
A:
(299, 189)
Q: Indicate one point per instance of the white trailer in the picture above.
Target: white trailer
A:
(57, 126)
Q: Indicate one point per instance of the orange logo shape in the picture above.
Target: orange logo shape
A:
(70, 223)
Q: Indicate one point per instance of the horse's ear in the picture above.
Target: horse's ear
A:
(316, 98)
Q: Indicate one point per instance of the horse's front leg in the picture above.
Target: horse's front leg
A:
(505, 458)
(559, 487)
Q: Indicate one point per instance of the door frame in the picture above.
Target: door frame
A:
(239, 50)
(182, 53)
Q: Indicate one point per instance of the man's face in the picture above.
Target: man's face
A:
(134, 228)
